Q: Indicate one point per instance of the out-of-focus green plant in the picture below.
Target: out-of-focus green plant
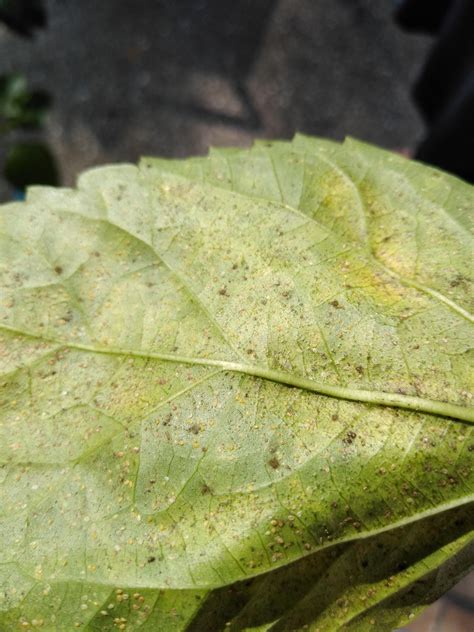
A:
(22, 108)
(30, 163)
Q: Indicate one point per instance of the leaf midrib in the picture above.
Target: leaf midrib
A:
(381, 398)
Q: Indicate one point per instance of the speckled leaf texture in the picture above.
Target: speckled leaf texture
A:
(235, 394)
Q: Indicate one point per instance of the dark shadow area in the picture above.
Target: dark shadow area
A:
(297, 594)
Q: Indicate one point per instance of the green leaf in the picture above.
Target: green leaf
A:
(236, 393)
(20, 106)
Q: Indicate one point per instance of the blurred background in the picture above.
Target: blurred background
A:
(91, 82)
(131, 77)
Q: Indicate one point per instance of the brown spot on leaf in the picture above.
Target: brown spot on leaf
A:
(350, 436)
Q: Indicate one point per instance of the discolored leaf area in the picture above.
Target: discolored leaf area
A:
(236, 393)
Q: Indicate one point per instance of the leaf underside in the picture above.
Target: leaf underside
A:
(236, 393)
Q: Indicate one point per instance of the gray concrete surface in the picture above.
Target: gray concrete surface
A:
(134, 77)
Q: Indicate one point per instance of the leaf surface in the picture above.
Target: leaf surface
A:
(251, 367)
